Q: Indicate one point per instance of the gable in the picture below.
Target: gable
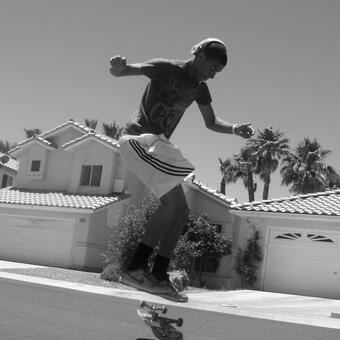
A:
(91, 138)
(65, 133)
(69, 125)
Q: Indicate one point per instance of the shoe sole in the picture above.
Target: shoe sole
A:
(173, 298)
(130, 281)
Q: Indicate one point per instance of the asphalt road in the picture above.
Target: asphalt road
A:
(36, 312)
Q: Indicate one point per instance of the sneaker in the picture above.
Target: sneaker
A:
(140, 280)
(169, 289)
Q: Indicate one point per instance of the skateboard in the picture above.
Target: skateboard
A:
(161, 326)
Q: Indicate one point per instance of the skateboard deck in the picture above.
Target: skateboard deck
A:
(161, 326)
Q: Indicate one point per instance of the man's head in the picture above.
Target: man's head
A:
(210, 57)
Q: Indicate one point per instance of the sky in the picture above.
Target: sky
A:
(283, 69)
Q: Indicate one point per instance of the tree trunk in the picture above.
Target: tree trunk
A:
(265, 194)
(222, 185)
(251, 187)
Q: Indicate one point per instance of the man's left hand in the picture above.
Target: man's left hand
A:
(244, 130)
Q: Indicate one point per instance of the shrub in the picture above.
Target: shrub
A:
(199, 240)
(248, 260)
(126, 233)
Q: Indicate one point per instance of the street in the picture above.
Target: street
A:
(38, 312)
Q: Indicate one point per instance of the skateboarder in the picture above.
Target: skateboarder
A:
(147, 151)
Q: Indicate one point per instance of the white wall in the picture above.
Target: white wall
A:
(55, 169)
(263, 222)
(218, 213)
(93, 153)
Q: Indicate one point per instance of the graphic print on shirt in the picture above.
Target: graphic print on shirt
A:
(174, 98)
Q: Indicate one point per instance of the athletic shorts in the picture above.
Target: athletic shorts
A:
(157, 162)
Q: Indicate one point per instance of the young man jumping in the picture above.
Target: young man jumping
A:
(148, 153)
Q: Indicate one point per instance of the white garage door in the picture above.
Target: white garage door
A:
(36, 240)
(303, 262)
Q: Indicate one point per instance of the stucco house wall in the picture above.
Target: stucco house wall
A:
(91, 153)
(55, 169)
(8, 170)
(11, 175)
(200, 201)
(48, 218)
(265, 222)
(99, 232)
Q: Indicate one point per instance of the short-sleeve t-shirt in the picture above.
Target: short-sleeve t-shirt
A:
(170, 91)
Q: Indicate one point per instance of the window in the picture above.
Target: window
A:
(208, 265)
(91, 175)
(6, 181)
(289, 236)
(319, 238)
(35, 166)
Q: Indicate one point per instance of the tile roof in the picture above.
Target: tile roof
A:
(214, 193)
(12, 195)
(88, 133)
(12, 163)
(322, 203)
(35, 138)
(70, 122)
(95, 135)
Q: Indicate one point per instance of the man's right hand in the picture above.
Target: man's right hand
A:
(118, 65)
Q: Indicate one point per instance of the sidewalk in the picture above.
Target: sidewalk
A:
(271, 306)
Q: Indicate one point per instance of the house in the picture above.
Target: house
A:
(8, 170)
(300, 239)
(203, 199)
(69, 188)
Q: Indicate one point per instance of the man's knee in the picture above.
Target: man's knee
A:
(182, 208)
(175, 198)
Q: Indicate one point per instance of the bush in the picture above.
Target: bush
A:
(248, 260)
(199, 240)
(126, 234)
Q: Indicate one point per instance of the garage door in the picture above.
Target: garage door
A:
(36, 240)
(303, 262)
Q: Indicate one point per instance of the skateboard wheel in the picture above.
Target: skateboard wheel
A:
(179, 322)
(142, 304)
(154, 317)
(164, 310)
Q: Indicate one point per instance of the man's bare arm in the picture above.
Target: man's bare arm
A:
(218, 125)
(120, 68)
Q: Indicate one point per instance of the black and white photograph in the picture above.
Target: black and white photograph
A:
(169, 170)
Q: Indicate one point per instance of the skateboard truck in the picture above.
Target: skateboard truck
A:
(161, 326)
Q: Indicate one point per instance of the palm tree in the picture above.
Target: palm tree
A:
(32, 132)
(305, 170)
(267, 149)
(334, 178)
(239, 166)
(112, 130)
(91, 123)
(5, 146)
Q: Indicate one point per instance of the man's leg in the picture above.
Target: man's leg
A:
(173, 206)
(164, 228)
(171, 234)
